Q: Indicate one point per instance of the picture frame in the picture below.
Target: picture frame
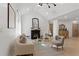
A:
(35, 23)
(11, 22)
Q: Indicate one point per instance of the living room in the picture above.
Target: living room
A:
(39, 22)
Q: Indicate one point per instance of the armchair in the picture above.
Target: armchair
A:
(58, 41)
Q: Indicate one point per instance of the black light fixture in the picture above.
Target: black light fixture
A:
(48, 4)
(54, 4)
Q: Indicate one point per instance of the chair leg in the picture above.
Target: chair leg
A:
(62, 47)
(57, 48)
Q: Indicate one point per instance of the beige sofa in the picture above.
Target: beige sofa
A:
(24, 48)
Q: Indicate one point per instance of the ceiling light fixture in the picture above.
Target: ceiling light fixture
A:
(48, 4)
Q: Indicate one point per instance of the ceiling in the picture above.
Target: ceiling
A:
(62, 9)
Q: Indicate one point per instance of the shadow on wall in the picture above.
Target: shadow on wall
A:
(11, 49)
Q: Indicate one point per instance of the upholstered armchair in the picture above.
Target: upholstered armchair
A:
(58, 41)
(24, 48)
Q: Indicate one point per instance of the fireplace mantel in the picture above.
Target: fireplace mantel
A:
(35, 29)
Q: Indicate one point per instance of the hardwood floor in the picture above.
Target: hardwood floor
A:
(71, 48)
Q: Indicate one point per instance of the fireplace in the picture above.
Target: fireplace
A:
(35, 33)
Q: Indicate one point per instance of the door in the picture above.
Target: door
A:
(75, 30)
(51, 28)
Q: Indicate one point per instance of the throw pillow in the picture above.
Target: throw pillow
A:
(23, 38)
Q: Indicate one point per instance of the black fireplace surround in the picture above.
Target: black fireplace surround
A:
(35, 34)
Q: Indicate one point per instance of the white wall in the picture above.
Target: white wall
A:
(27, 23)
(6, 35)
(55, 28)
(18, 23)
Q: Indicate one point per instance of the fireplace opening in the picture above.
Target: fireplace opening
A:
(35, 34)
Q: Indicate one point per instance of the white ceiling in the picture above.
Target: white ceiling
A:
(49, 13)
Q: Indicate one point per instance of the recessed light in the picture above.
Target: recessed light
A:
(28, 9)
(74, 21)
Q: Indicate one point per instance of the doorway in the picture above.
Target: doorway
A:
(75, 30)
(51, 28)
